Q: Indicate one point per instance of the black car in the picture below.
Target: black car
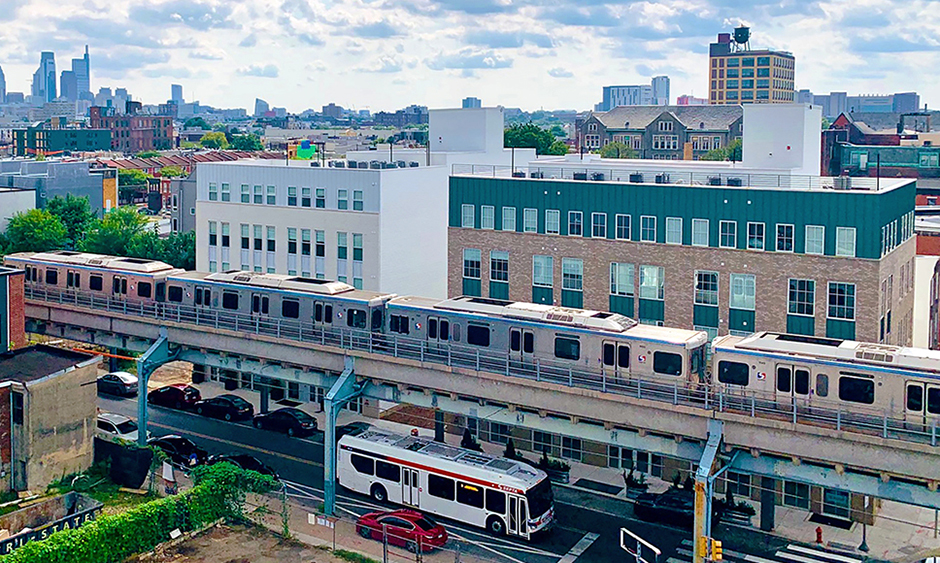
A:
(352, 429)
(675, 506)
(229, 407)
(291, 421)
(244, 461)
(181, 451)
(174, 396)
(118, 383)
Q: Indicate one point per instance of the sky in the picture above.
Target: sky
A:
(533, 54)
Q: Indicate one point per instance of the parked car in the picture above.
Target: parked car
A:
(244, 461)
(675, 506)
(406, 528)
(352, 429)
(229, 407)
(182, 452)
(291, 421)
(112, 426)
(118, 383)
(178, 396)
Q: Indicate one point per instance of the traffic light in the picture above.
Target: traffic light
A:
(716, 550)
(703, 547)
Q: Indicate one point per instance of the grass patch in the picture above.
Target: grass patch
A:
(96, 484)
(353, 557)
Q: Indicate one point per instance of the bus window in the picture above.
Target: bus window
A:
(496, 501)
(441, 487)
(666, 363)
(364, 465)
(471, 495)
(387, 471)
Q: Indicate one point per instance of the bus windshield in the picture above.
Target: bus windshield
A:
(540, 498)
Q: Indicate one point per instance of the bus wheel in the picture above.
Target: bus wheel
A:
(495, 526)
(379, 494)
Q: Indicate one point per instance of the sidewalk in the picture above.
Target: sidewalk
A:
(901, 533)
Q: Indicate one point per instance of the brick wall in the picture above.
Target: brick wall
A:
(17, 310)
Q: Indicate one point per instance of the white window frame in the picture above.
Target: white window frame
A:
(748, 284)
(721, 234)
(673, 228)
(487, 217)
(572, 215)
(547, 261)
(552, 222)
(572, 274)
(821, 240)
(622, 279)
(643, 228)
(645, 270)
(509, 224)
(595, 225)
(763, 235)
(777, 237)
(844, 231)
(854, 301)
(706, 292)
(530, 220)
(629, 226)
(468, 256)
(467, 216)
(696, 226)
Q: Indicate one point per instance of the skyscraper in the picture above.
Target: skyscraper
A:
(261, 107)
(68, 85)
(176, 93)
(3, 87)
(44, 79)
(82, 70)
(661, 90)
(471, 102)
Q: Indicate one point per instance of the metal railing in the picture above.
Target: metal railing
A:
(860, 419)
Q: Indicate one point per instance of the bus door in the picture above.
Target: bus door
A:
(615, 357)
(410, 489)
(921, 402)
(792, 383)
(518, 517)
(521, 345)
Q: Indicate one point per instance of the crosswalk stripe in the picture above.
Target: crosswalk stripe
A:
(797, 558)
(756, 559)
(579, 548)
(686, 542)
(824, 554)
(683, 551)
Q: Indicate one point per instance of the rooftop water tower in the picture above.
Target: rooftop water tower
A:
(742, 37)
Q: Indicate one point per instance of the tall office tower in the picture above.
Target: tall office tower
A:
(3, 87)
(82, 70)
(176, 93)
(44, 79)
(68, 85)
(661, 90)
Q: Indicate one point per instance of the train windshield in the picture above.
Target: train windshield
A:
(697, 362)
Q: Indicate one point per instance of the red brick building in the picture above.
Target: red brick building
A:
(132, 133)
(12, 317)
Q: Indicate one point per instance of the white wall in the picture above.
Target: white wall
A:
(13, 202)
(466, 130)
(923, 274)
(783, 136)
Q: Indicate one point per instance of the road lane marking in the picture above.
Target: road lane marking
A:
(674, 560)
(756, 559)
(579, 548)
(823, 554)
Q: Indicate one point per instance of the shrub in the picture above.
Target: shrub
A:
(552, 464)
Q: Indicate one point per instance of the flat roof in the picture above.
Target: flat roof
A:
(35, 362)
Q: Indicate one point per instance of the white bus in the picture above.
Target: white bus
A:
(501, 495)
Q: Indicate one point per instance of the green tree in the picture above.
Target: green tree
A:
(214, 140)
(617, 150)
(177, 250)
(730, 152)
(247, 142)
(558, 131)
(172, 172)
(131, 182)
(148, 154)
(196, 123)
(114, 234)
(75, 213)
(558, 148)
(36, 230)
(528, 135)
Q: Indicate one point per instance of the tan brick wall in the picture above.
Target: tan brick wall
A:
(772, 269)
(902, 298)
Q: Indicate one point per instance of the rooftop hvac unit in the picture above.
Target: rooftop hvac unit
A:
(402, 164)
(518, 174)
(662, 178)
(842, 182)
(375, 165)
(338, 163)
(597, 176)
(636, 178)
(735, 182)
(363, 164)
(315, 164)
(538, 174)
(353, 164)
(714, 181)
(413, 164)
(580, 175)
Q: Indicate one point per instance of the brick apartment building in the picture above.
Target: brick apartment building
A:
(132, 133)
(12, 316)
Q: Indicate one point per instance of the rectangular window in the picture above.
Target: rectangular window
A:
(305, 242)
(572, 274)
(246, 194)
(699, 232)
(213, 192)
(272, 244)
(246, 239)
(229, 300)
(321, 243)
(575, 223)
(623, 227)
(571, 448)
(499, 265)
(342, 246)
(440, 487)
(802, 298)
(291, 240)
(542, 270)
(727, 234)
(842, 301)
(673, 230)
(487, 217)
(667, 363)
(755, 236)
(530, 220)
(706, 288)
(95, 282)
(599, 225)
(784, 238)
(499, 433)
(213, 233)
(509, 218)
(387, 471)
(478, 335)
(567, 348)
(470, 495)
(305, 197)
(292, 196)
(466, 216)
(357, 200)
(399, 324)
(363, 464)
(226, 192)
(257, 195)
(733, 373)
(321, 198)
(342, 199)
(845, 241)
(857, 390)
(552, 221)
(290, 308)
(471, 263)
(496, 501)
(651, 282)
(743, 291)
(648, 228)
(271, 195)
(621, 279)
(815, 239)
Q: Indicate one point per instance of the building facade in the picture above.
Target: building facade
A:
(133, 133)
(42, 140)
(12, 309)
(471, 103)
(743, 77)
(13, 201)
(720, 259)
(48, 179)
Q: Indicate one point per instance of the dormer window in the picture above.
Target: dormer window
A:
(665, 126)
(592, 126)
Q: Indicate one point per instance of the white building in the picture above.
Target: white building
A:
(383, 229)
(13, 201)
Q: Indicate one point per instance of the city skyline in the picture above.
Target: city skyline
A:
(229, 54)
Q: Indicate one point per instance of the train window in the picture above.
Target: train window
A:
(432, 329)
(175, 294)
(515, 341)
(52, 277)
(456, 332)
(528, 342)
(441, 487)
(229, 300)
(609, 351)
(356, 318)
(290, 309)
(784, 379)
(363, 464)
(471, 495)
(445, 329)
(318, 312)
(801, 381)
(915, 397)
(667, 363)
(478, 335)
(857, 390)
(733, 373)
(119, 286)
(328, 314)
(496, 501)
(567, 348)
(73, 279)
(387, 471)
(933, 400)
(399, 324)
(623, 356)
(144, 289)
(203, 297)
(377, 319)
(822, 385)
(95, 283)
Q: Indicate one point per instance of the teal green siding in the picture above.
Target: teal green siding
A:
(472, 287)
(543, 295)
(652, 310)
(622, 305)
(572, 299)
(866, 211)
(499, 290)
(801, 325)
(703, 315)
(739, 319)
(840, 329)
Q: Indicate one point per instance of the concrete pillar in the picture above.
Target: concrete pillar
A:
(265, 397)
(112, 361)
(438, 426)
(768, 503)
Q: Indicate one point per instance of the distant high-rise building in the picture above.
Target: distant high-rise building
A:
(121, 97)
(906, 102)
(687, 100)
(44, 79)
(176, 93)
(82, 70)
(656, 94)
(660, 86)
(332, 110)
(739, 75)
(68, 85)
(261, 107)
(471, 103)
(104, 98)
(804, 97)
(835, 104)
(3, 87)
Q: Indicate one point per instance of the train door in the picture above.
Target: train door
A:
(323, 313)
(438, 333)
(518, 517)
(203, 297)
(119, 287)
(521, 344)
(792, 383)
(73, 280)
(410, 487)
(260, 304)
(922, 402)
(615, 357)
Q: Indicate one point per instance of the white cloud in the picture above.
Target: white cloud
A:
(263, 71)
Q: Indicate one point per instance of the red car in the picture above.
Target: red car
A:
(177, 396)
(406, 528)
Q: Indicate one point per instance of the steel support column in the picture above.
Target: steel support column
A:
(345, 389)
(158, 354)
(704, 487)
